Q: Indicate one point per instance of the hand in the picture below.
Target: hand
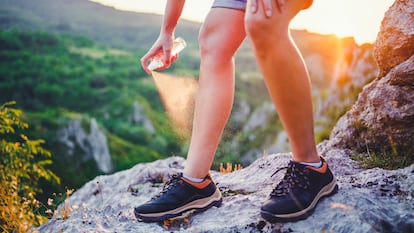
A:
(162, 47)
(267, 5)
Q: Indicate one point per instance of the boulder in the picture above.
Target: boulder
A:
(382, 119)
(395, 41)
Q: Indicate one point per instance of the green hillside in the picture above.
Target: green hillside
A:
(102, 24)
(58, 78)
(63, 60)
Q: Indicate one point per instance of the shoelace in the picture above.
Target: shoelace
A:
(168, 185)
(295, 175)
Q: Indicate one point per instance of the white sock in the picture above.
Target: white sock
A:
(195, 180)
(317, 165)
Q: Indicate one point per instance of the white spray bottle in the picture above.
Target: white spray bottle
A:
(158, 61)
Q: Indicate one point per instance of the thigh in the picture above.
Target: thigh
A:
(279, 18)
(222, 31)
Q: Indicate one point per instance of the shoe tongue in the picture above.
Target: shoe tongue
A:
(175, 176)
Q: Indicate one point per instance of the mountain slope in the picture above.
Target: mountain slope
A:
(105, 25)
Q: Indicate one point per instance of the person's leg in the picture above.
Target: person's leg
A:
(287, 80)
(220, 37)
(285, 75)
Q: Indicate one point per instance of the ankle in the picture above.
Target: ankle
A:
(193, 179)
(310, 157)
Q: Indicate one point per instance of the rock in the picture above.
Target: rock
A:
(395, 41)
(92, 144)
(139, 118)
(353, 70)
(373, 200)
(259, 117)
(382, 119)
(99, 147)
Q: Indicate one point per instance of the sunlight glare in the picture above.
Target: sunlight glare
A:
(351, 18)
(356, 18)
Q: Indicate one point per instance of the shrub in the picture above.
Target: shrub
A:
(22, 165)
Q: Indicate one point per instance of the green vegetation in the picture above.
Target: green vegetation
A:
(59, 78)
(385, 159)
(23, 164)
(384, 152)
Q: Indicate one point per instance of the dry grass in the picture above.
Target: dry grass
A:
(229, 168)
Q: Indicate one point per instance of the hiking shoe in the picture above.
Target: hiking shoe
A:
(296, 196)
(178, 196)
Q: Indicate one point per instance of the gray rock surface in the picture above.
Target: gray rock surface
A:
(373, 200)
(93, 144)
(395, 42)
(382, 119)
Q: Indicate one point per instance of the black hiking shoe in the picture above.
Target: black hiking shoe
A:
(179, 196)
(296, 196)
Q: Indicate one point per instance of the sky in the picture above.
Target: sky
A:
(360, 19)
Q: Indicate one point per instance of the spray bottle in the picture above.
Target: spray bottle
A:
(158, 61)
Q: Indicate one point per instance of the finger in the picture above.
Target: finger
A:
(151, 54)
(267, 6)
(253, 5)
(174, 58)
(144, 64)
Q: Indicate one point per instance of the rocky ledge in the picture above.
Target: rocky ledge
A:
(373, 200)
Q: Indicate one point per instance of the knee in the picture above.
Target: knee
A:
(204, 42)
(256, 25)
(263, 32)
(212, 49)
(208, 52)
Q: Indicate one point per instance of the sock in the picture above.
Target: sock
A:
(195, 180)
(316, 165)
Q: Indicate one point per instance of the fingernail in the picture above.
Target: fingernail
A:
(268, 12)
(253, 8)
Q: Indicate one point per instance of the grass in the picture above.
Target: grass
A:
(229, 168)
(388, 155)
(386, 160)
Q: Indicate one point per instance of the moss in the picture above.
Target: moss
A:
(385, 160)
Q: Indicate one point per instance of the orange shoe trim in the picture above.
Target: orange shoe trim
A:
(200, 185)
(321, 169)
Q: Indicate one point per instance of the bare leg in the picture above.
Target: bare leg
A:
(285, 74)
(219, 40)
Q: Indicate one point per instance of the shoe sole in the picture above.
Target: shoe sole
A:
(197, 206)
(328, 190)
